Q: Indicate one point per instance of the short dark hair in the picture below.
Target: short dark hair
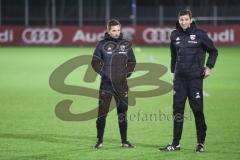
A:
(112, 22)
(185, 12)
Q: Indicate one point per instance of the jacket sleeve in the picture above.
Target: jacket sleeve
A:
(131, 62)
(97, 60)
(211, 49)
(173, 54)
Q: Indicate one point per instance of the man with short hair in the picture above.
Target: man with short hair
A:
(188, 51)
(114, 60)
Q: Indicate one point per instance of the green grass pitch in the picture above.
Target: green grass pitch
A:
(29, 128)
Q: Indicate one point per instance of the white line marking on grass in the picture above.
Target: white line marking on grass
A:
(205, 94)
(138, 49)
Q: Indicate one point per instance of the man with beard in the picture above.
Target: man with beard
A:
(188, 51)
(114, 60)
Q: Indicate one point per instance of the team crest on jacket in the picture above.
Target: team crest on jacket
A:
(192, 37)
(127, 45)
(122, 48)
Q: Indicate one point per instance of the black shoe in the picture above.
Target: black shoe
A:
(200, 148)
(98, 145)
(170, 147)
(127, 144)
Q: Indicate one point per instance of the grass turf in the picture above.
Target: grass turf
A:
(29, 128)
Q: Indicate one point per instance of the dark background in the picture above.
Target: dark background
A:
(130, 12)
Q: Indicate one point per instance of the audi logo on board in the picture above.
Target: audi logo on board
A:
(42, 35)
(77, 36)
(157, 35)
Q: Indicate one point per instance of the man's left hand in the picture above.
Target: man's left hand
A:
(207, 72)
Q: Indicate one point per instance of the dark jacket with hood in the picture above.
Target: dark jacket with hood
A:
(113, 59)
(188, 50)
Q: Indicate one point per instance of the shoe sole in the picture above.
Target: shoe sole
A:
(127, 147)
(98, 147)
(169, 150)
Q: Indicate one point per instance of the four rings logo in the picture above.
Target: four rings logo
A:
(42, 35)
(157, 35)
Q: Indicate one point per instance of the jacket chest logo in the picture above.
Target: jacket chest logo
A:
(122, 49)
(177, 40)
(109, 50)
(109, 47)
(193, 39)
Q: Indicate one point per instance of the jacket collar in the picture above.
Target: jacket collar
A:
(109, 38)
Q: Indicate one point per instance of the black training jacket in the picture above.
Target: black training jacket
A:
(113, 59)
(188, 50)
